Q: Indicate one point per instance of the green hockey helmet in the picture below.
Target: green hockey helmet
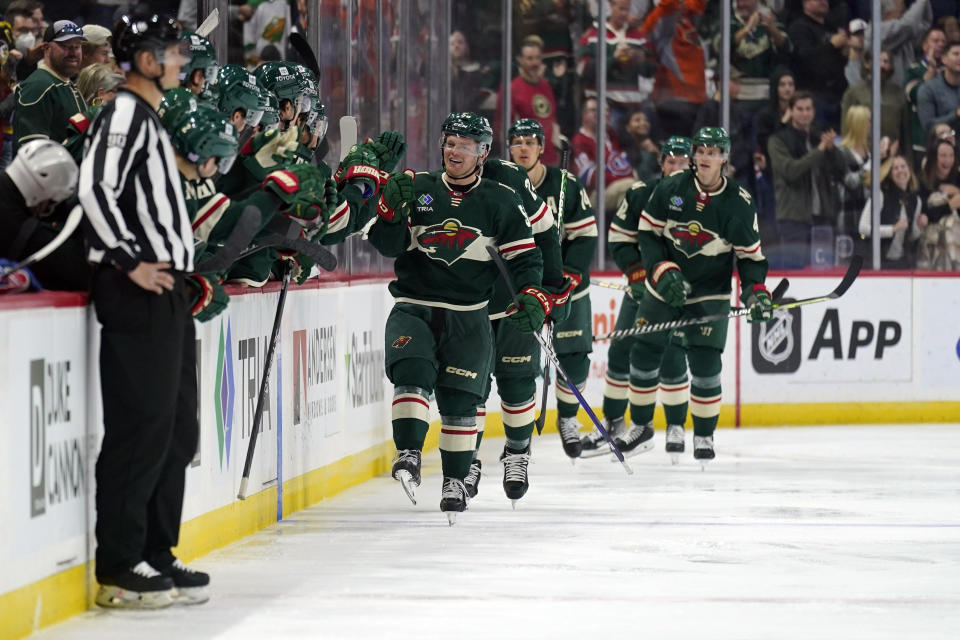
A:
(240, 92)
(468, 125)
(205, 134)
(676, 146)
(202, 56)
(712, 137)
(317, 120)
(174, 106)
(271, 112)
(279, 79)
(526, 127)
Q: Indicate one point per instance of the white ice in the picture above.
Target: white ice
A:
(815, 532)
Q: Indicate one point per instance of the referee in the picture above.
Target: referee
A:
(141, 245)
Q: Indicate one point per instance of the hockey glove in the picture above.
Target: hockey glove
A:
(636, 275)
(394, 203)
(758, 300)
(535, 304)
(208, 298)
(394, 147)
(361, 167)
(669, 283)
(301, 267)
(269, 150)
(562, 299)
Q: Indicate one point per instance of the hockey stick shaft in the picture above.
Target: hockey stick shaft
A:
(348, 135)
(267, 368)
(548, 350)
(69, 226)
(852, 271)
(240, 236)
(303, 48)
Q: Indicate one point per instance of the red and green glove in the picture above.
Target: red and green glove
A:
(758, 300)
(669, 283)
(394, 203)
(636, 275)
(208, 298)
(534, 305)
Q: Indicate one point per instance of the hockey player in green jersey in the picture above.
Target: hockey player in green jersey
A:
(674, 386)
(693, 224)
(572, 338)
(438, 337)
(517, 354)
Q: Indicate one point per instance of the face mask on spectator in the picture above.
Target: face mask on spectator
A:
(25, 42)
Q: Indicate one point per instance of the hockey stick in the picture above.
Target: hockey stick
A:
(852, 271)
(564, 160)
(240, 236)
(777, 293)
(348, 135)
(547, 346)
(323, 257)
(209, 23)
(69, 226)
(302, 47)
(267, 367)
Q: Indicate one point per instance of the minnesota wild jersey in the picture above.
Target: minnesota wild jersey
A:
(578, 224)
(541, 221)
(441, 254)
(622, 235)
(700, 232)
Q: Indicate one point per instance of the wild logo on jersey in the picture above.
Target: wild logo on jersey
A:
(447, 241)
(690, 238)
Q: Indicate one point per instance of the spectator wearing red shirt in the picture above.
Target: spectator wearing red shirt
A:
(619, 174)
(532, 97)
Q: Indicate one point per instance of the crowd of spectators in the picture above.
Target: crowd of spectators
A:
(800, 90)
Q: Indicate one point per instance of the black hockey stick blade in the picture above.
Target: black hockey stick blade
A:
(322, 256)
(548, 351)
(240, 236)
(779, 290)
(302, 47)
(853, 270)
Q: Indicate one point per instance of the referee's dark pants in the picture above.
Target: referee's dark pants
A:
(149, 388)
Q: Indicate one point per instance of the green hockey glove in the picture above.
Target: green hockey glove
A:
(758, 300)
(669, 283)
(362, 167)
(535, 304)
(561, 299)
(636, 275)
(394, 146)
(394, 203)
(208, 298)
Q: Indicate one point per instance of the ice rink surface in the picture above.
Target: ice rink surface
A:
(819, 532)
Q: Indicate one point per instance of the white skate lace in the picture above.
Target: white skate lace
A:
(634, 432)
(703, 442)
(569, 429)
(473, 475)
(182, 567)
(407, 458)
(674, 433)
(453, 488)
(144, 569)
(515, 467)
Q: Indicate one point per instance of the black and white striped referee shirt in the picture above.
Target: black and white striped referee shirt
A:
(130, 189)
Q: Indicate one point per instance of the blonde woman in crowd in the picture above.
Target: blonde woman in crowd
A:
(855, 148)
(98, 83)
(900, 214)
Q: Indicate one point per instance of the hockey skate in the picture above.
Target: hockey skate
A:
(674, 442)
(189, 585)
(472, 481)
(141, 587)
(453, 499)
(593, 444)
(406, 469)
(637, 439)
(569, 429)
(703, 450)
(515, 481)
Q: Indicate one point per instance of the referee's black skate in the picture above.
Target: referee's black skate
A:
(515, 480)
(140, 587)
(406, 469)
(190, 585)
(703, 450)
(675, 444)
(569, 429)
(637, 439)
(593, 444)
(472, 481)
(453, 499)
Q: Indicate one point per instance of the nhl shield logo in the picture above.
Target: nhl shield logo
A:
(447, 241)
(776, 344)
(690, 238)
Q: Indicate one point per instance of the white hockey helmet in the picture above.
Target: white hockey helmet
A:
(43, 170)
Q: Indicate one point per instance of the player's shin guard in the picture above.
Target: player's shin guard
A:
(577, 365)
(518, 422)
(642, 394)
(410, 416)
(705, 391)
(458, 437)
(481, 423)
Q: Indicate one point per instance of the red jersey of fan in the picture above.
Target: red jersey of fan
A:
(538, 102)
